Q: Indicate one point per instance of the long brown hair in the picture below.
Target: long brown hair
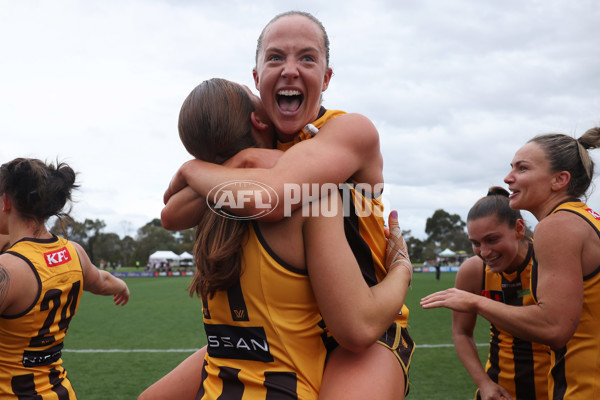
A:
(214, 124)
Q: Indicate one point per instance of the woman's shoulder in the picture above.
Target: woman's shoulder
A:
(470, 274)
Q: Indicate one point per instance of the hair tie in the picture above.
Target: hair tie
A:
(584, 156)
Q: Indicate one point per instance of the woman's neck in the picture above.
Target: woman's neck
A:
(550, 204)
(27, 229)
(520, 257)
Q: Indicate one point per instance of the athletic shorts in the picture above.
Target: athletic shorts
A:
(397, 339)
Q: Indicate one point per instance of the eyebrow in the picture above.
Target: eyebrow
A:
(302, 50)
(485, 237)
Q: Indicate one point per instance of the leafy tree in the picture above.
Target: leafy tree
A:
(128, 246)
(93, 229)
(447, 230)
(108, 248)
(68, 228)
(186, 239)
(415, 248)
(152, 237)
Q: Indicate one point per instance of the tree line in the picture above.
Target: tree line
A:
(444, 230)
(110, 248)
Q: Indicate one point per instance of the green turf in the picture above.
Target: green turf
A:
(161, 315)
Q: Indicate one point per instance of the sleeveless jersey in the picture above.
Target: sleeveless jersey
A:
(519, 366)
(259, 332)
(31, 342)
(575, 367)
(364, 223)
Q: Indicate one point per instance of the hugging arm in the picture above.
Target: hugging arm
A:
(356, 314)
(183, 210)
(184, 206)
(346, 148)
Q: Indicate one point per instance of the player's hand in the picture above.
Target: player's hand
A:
(177, 183)
(493, 391)
(122, 297)
(454, 299)
(396, 253)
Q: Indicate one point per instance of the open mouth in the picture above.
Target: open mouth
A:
(289, 100)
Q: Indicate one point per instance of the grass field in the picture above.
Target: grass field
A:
(116, 352)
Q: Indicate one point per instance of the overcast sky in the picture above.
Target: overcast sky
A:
(454, 88)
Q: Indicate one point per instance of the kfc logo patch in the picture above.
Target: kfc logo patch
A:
(496, 295)
(594, 213)
(57, 257)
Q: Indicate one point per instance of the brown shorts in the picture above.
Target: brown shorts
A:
(397, 339)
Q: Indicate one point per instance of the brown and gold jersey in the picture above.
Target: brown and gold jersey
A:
(363, 218)
(519, 366)
(31, 342)
(265, 335)
(575, 367)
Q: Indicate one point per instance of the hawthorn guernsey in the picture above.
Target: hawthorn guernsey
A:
(57, 257)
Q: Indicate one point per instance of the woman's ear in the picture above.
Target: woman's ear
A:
(255, 76)
(327, 78)
(6, 203)
(560, 180)
(257, 123)
(520, 229)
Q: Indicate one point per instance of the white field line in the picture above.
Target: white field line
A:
(129, 350)
(425, 346)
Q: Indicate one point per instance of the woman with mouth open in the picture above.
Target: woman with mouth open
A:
(550, 175)
(281, 279)
(292, 70)
(500, 270)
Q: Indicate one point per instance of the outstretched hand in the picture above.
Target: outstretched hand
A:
(396, 252)
(454, 299)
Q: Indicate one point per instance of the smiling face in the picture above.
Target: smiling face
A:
(531, 181)
(291, 73)
(496, 243)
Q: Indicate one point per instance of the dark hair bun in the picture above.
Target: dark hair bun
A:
(497, 191)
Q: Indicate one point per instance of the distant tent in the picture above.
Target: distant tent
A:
(163, 258)
(186, 259)
(447, 253)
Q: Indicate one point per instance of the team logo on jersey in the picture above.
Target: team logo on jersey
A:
(238, 343)
(594, 213)
(40, 358)
(57, 257)
(496, 295)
